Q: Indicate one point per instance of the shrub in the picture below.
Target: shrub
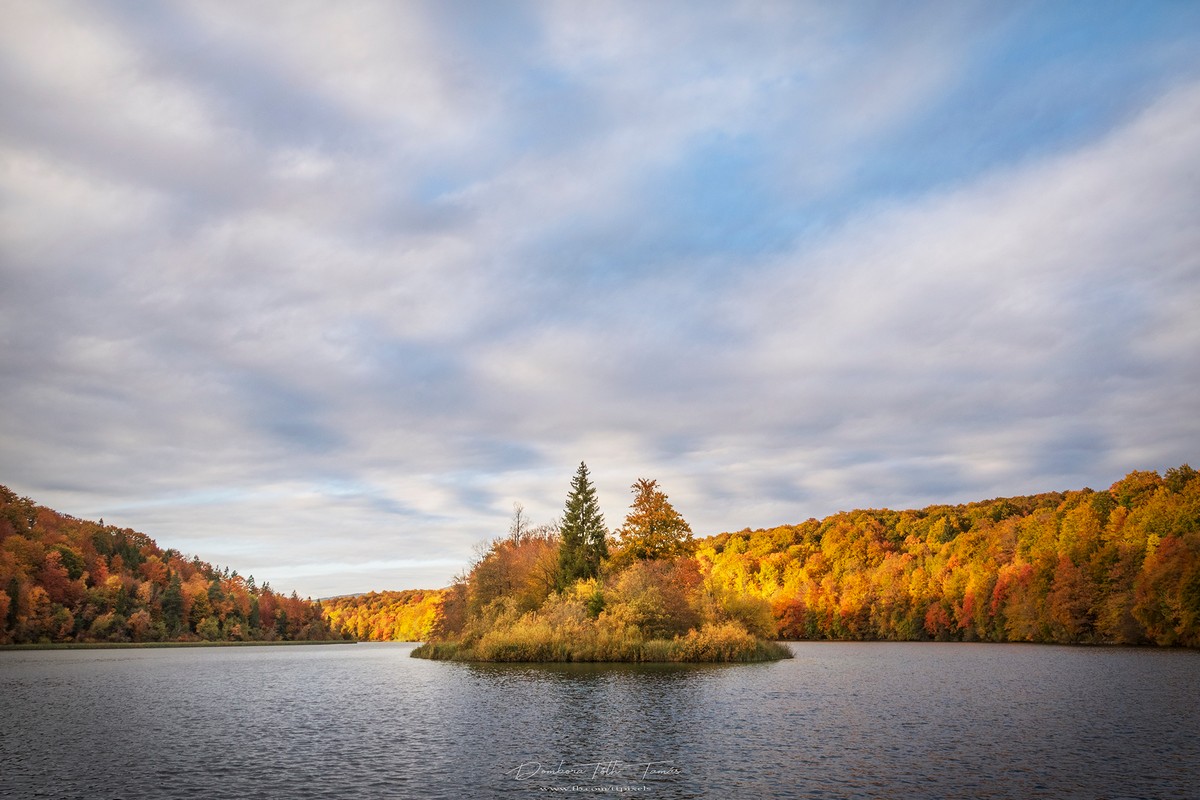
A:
(725, 642)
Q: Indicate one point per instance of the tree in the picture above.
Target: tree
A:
(1069, 602)
(209, 629)
(14, 595)
(172, 606)
(1177, 478)
(584, 538)
(519, 528)
(653, 528)
(281, 624)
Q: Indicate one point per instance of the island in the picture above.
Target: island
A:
(570, 592)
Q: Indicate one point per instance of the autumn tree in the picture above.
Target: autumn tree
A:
(584, 542)
(522, 570)
(653, 528)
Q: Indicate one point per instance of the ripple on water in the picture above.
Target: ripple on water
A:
(840, 720)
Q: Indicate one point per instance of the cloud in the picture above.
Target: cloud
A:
(1020, 300)
(327, 291)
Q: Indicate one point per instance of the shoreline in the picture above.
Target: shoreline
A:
(147, 645)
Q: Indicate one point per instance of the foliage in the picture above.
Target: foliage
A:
(563, 631)
(1120, 566)
(640, 609)
(584, 539)
(64, 579)
(653, 529)
(408, 616)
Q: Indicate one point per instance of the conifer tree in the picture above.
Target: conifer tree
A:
(584, 538)
(172, 606)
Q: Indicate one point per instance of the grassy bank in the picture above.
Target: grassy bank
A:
(146, 645)
(727, 643)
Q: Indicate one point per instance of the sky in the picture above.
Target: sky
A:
(320, 290)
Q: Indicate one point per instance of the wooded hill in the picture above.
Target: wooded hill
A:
(404, 616)
(1120, 566)
(64, 579)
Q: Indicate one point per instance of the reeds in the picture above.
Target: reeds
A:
(533, 638)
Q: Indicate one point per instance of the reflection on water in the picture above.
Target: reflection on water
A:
(840, 720)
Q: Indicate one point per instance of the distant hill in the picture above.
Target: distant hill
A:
(405, 616)
(64, 579)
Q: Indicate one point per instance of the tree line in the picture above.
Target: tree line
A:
(1116, 566)
(1120, 566)
(64, 579)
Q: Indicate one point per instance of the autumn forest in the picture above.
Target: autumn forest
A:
(68, 580)
(1118, 566)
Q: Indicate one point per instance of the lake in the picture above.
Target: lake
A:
(913, 720)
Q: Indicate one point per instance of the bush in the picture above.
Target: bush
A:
(438, 651)
(725, 642)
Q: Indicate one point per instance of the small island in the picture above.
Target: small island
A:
(570, 592)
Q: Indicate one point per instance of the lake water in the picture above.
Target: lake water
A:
(366, 721)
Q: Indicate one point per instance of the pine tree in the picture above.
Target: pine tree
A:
(653, 528)
(172, 606)
(584, 538)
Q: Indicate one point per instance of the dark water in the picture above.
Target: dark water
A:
(366, 721)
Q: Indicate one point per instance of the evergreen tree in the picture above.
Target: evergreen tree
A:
(172, 606)
(281, 624)
(584, 537)
(653, 528)
(14, 599)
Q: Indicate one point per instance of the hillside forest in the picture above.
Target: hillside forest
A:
(1117, 566)
(64, 579)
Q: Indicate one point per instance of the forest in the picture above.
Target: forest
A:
(64, 579)
(404, 616)
(1117, 566)
(1120, 566)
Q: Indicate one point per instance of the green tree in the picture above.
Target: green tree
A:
(209, 629)
(653, 528)
(584, 538)
(1177, 478)
(281, 624)
(172, 606)
(72, 561)
(14, 611)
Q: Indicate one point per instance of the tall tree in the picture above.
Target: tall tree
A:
(653, 528)
(172, 606)
(584, 538)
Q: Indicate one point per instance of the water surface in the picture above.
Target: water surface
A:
(864, 720)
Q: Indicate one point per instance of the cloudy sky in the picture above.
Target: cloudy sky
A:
(319, 290)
